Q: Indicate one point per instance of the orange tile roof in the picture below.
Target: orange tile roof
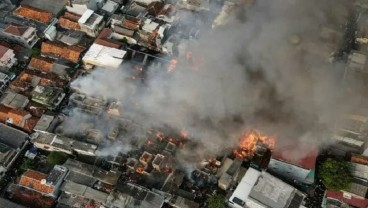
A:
(34, 14)
(72, 16)
(4, 113)
(360, 159)
(71, 53)
(32, 179)
(41, 63)
(68, 23)
(34, 175)
(103, 39)
(17, 115)
(16, 30)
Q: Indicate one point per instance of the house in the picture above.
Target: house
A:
(105, 39)
(48, 96)
(135, 10)
(7, 57)
(181, 202)
(40, 63)
(35, 14)
(4, 81)
(342, 199)
(91, 23)
(69, 21)
(52, 142)
(18, 118)
(131, 195)
(60, 50)
(109, 7)
(356, 194)
(26, 35)
(300, 170)
(89, 175)
(44, 123)
(102, 56)
(77, 6)
(5, 203)
(228, 173)
(14, 100)
(28, 80)
(12, 143)
(53, 7)
(260, 189)
(152, 34)
(78, 195)
(89, 104)
(46, 184)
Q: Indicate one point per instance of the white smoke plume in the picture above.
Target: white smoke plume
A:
(250, 76)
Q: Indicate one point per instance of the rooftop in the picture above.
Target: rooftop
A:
(71, 53)
(9, 204)
(348, 198)
(16, 30)
(34, 175)
(104, 56)
(54, 7)
(275, 193)
(107, 177)
(14, 100)
(34, 14)
(3, 50)
(84, 191)
(12, 137)
(285, 154)
(242, 191)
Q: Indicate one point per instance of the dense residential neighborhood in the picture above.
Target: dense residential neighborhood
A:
(183, 104)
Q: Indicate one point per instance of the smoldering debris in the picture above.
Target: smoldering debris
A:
(253, 74)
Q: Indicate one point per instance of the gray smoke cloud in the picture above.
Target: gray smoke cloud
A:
(250, 76)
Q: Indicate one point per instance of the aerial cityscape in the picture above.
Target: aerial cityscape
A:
(183, 104)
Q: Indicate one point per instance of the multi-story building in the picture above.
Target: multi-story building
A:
(7, 58)
(26, 35)
(91, 23)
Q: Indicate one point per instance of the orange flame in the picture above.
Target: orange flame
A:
(172, 65)
(248, 144)
(184, 134)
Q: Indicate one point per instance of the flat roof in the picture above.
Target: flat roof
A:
(12, 137)
(245, 186)
(103, 56)
(86, 15)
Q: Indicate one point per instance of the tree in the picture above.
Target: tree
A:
(57, 158)
(336, 174)
(28, 164)
(216, 201)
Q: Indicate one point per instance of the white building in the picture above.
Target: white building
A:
(262, 190)
(52, 142)
(23, 34)
(7, 57)
(91, 23)
(103, 56)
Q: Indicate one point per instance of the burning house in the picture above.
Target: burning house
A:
(253, 143)
(95, 105)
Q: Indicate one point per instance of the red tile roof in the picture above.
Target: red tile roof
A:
(3, 50)
(286, 153)
(33, 13)
(361, 159)
(68, 23)
(16, 30)
(103, 39)
(70, 53)
(34, 175)
(41, 63)
(359, 202)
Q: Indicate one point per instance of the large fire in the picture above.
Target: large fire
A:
(249, 141)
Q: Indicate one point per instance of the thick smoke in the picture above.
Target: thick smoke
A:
(269, 70)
